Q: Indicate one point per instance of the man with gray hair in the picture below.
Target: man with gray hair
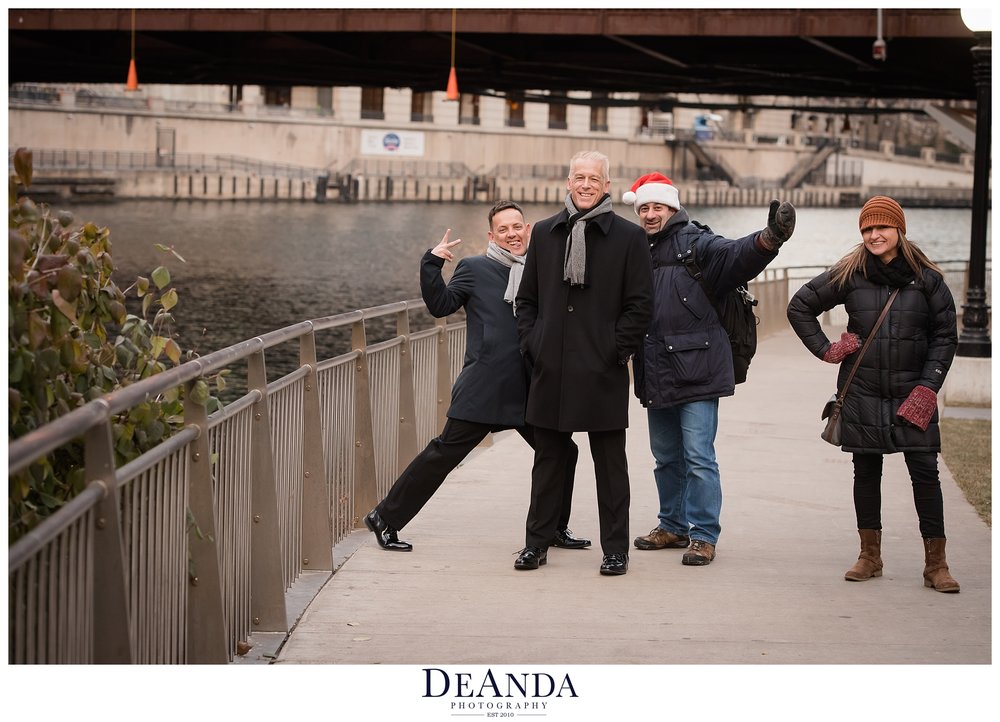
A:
(582, 308)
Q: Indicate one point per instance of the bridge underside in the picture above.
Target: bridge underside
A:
(821, 53)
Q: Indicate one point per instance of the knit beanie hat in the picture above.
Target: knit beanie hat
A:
(882, 211)
(652, 188)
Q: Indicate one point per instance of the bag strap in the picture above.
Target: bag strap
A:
(861, 354)
(690, 263)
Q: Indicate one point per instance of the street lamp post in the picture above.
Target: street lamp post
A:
(975, 337)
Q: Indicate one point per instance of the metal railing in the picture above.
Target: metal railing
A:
(22, 95)
(926, 197)
(786, 281)
(86, 99)
(183, 553)
(405, 168)
(50, 159)
(555, 172)
(198, 107)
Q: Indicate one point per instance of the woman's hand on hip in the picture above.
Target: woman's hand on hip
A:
(839, 350)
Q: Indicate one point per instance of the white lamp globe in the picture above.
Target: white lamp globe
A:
(978, 19)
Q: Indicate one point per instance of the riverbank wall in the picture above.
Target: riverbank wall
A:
(89, 150)
(55, 185)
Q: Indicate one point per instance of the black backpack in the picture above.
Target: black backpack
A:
(735, 311)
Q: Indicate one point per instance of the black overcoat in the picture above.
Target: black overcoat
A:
(492, 386)
(914, 346)
(578, 340)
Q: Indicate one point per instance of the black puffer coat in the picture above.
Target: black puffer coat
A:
(914, 347)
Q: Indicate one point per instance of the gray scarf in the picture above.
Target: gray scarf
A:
(575, 263)
(516, 266)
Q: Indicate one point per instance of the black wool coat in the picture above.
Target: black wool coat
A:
(492, 386)
(578, 340)
(914, 347)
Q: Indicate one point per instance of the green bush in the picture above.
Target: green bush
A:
(71, 339)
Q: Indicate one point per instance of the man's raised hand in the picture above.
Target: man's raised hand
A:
(443, 249)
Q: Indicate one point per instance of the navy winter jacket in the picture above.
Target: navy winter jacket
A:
(686, 354)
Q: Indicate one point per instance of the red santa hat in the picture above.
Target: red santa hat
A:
(652, 188)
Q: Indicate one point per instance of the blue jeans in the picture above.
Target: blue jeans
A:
(682, 439)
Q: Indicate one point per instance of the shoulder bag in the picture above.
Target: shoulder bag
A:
(833, 407)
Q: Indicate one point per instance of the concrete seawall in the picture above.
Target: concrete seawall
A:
(183, 184)
(336, 147)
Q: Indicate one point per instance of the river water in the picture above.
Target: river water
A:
(253, 267)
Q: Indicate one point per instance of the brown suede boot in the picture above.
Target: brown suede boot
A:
(936, 574)
(869, 562)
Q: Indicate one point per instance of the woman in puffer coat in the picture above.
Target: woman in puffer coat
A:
(891, 405)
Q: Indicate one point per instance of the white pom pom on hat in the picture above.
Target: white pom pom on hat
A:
(652, 188)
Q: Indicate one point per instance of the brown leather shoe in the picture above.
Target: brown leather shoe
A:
(661, 539)
(699, 554)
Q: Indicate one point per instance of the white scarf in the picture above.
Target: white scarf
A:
(516, 266)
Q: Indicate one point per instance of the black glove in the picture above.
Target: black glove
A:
(780, 224)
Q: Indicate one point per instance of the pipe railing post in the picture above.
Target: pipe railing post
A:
(206, 633)
(317, 528)
(764, 308)
(776, 300)
(406, 441)
(782, 296)
(267, 591)
(365, 483)
(443, 391)
(112, 629)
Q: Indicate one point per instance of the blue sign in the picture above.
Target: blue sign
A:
(390, 141)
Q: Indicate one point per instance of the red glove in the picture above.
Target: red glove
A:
(919, 407)
(839, 350)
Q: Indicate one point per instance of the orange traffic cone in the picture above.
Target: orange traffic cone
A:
(452, 92)
(133, 78)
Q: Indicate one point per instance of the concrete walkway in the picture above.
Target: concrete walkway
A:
(774, 595)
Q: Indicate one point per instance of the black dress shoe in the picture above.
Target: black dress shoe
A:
(614, 564)
(385, 535)
(531, 558)
(566, 540)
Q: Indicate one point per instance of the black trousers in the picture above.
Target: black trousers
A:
(552, 450)
(923, 469)
(418, 482)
